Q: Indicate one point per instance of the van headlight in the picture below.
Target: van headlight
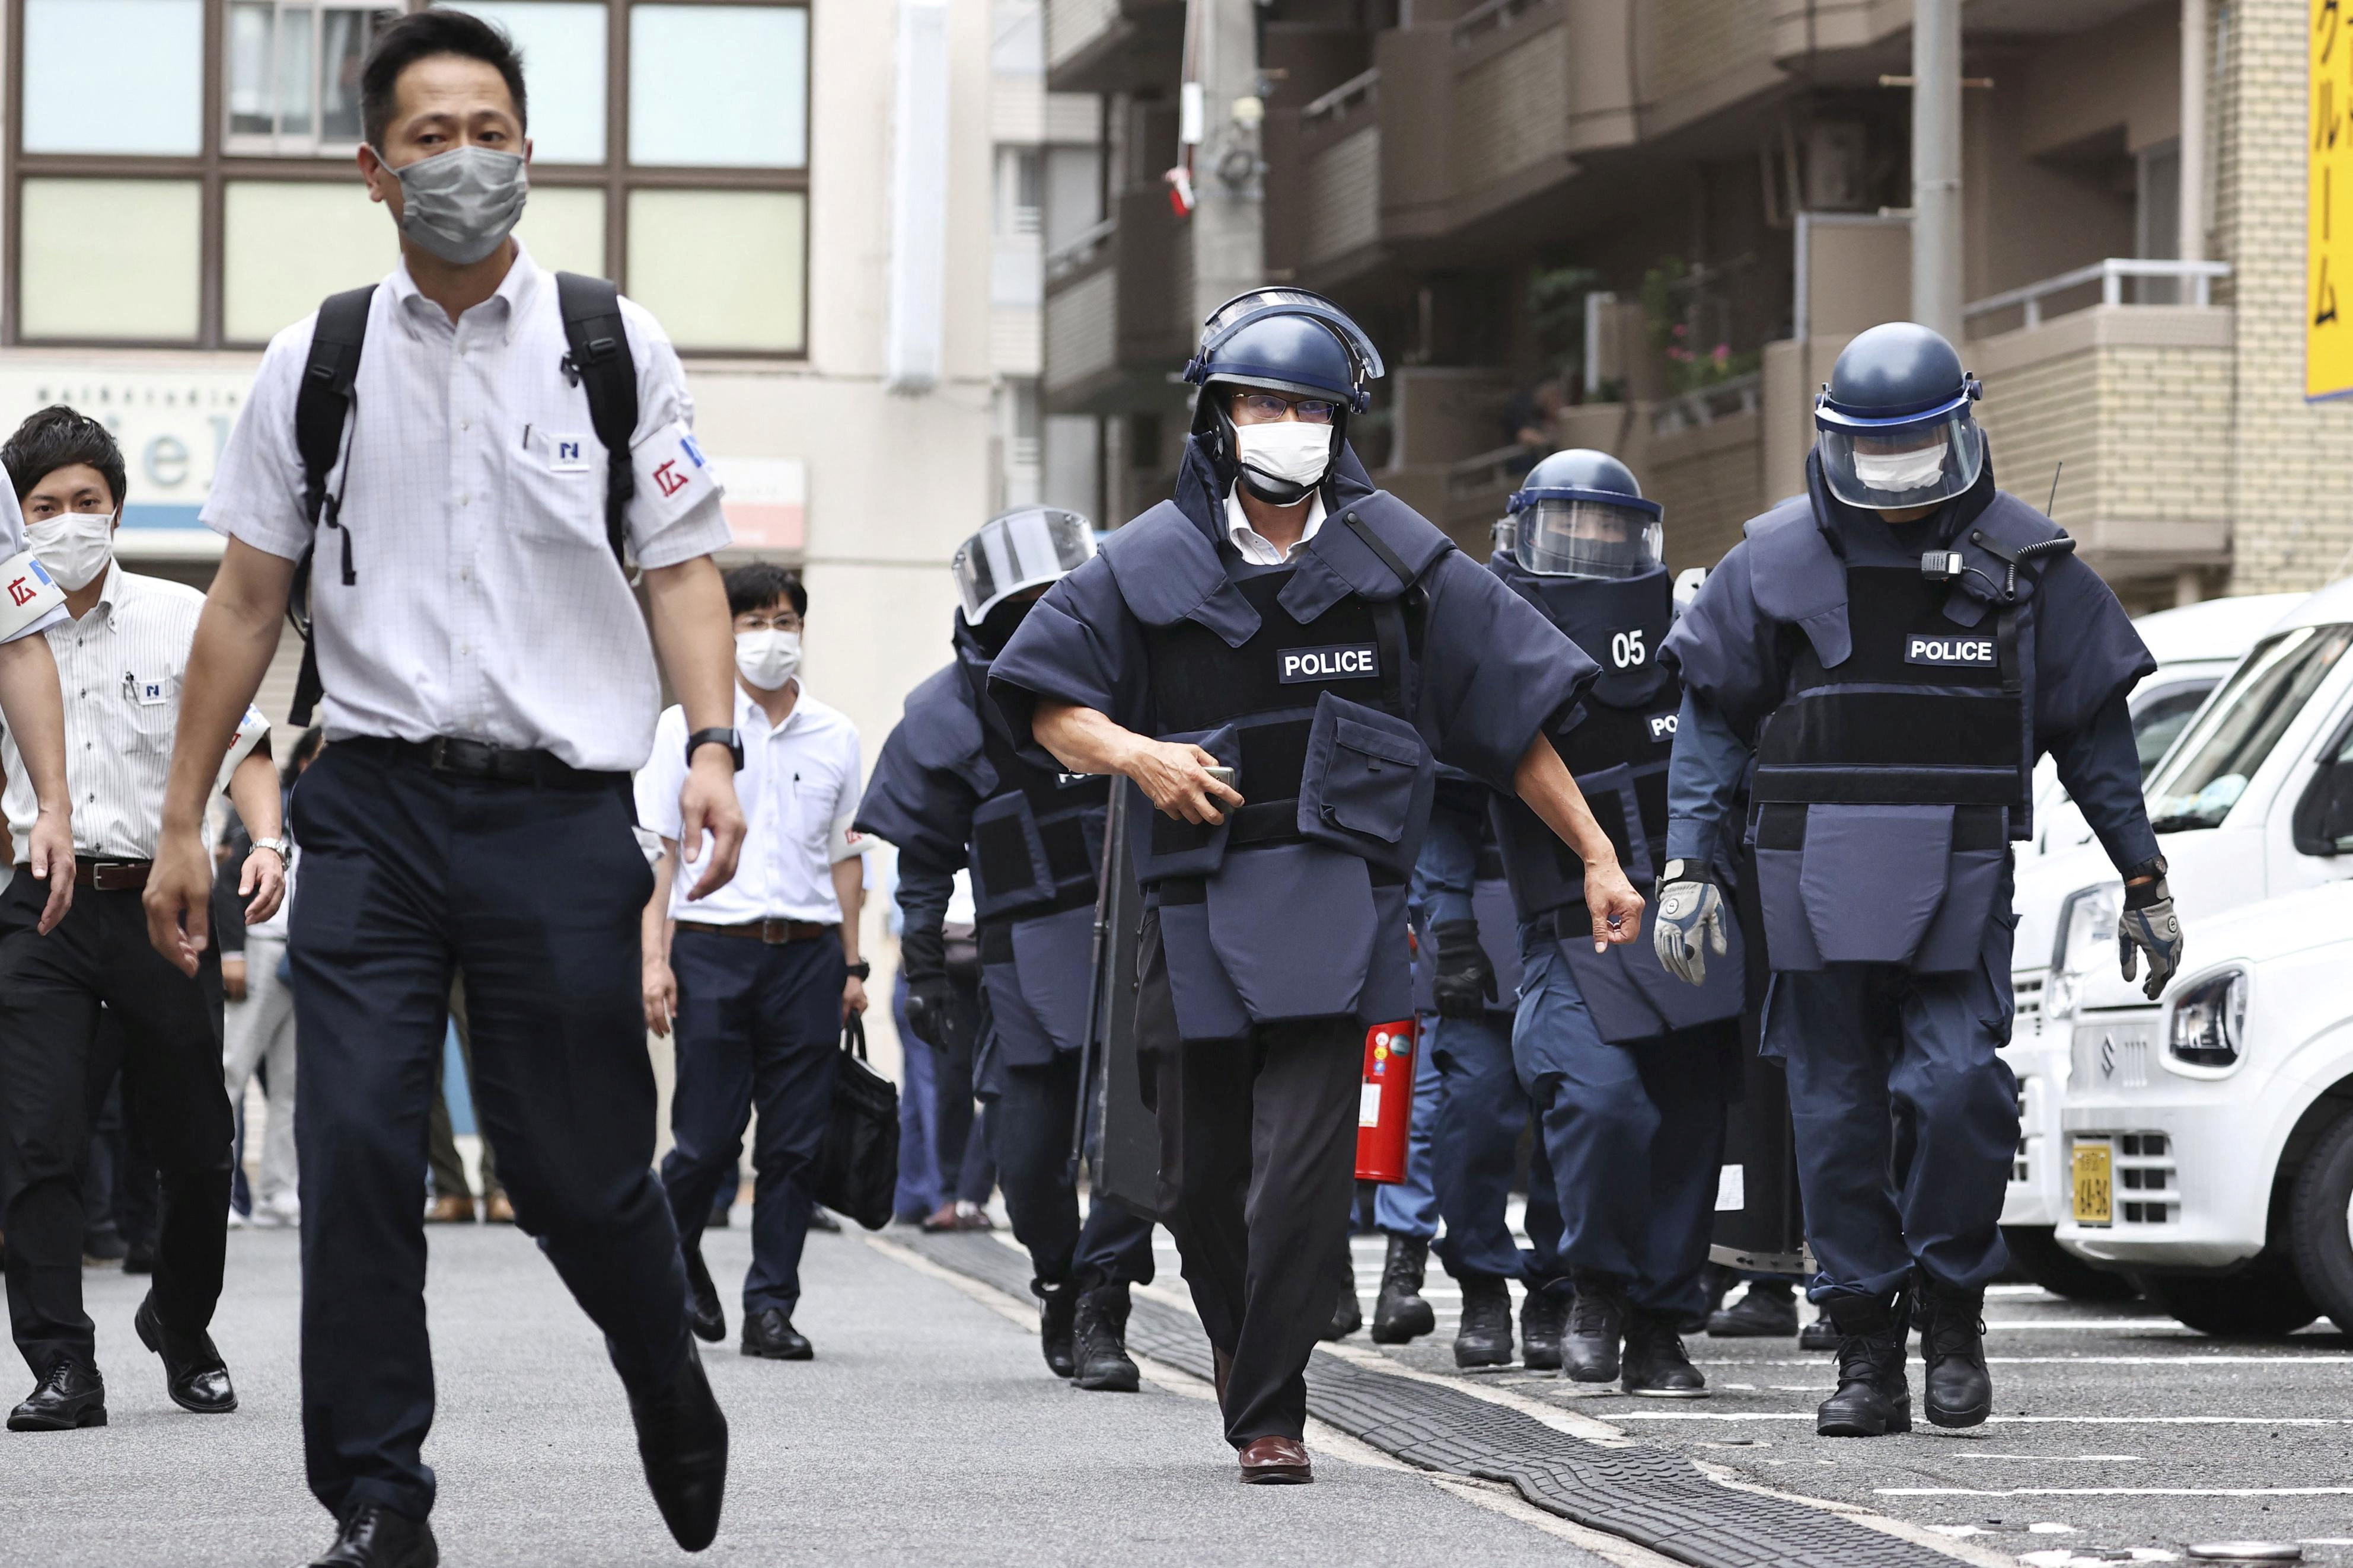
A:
(2087, 934)
(2209, 1025)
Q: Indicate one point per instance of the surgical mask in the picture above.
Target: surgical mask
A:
(460, 204)
(766, 659)
(74, 546)
(1290, 450)
(1903, 471)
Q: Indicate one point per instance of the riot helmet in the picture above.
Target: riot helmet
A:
(1580, 513)
(1311, 364)
(999, 570)
(1895, 430)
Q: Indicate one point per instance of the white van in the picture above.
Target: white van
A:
(2225, 801)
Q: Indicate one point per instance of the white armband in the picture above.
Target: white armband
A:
(250, 729)
(31, 595)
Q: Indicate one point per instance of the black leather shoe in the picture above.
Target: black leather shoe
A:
(1768, 1311)
(1822, 1334)
(139, 1257)
(373, 1536)
(1589, 1346)
(1873, 1396)
(1957, 1390)
(1400, 1315)
(682, 1441)
(1100, 1342)
(1654, 1366)
(1347, 1312)
(704, 1315)
(824, 1223)
(1484, 1338)
(194, 1374)
(69, 1394)
(1544, 1313)
(769, 1334)
(1057, 1306)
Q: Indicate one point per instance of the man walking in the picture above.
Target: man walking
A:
(489, 687)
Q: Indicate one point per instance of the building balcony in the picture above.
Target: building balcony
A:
(1119, 309)
(1112, 45)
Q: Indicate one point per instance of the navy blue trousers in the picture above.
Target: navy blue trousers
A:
(757, 1024)
(1635, 1134)
(1475, 1157)
(1905, 1118)
(408, 877)
(1030, 1124)
(1409, 1208)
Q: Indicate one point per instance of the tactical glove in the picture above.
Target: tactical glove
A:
(1690, 921)
(935, 1013)
(1462, 981)
(2148, 925)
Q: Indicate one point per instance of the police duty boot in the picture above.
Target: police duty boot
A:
(1544, 1313)
(373, 1536)
(1597, 1327)
(1400, 1315)
(704, 1313)
(1347, 1312)
(1822, 1334)
(1099, 1341)
(682, 1443)
(1956, 1390)
(769, 1335)
(194, 1374)
(1056, 1304)
(1484, 1336)
(1655, 1365)
(1874, 1397)
(70, 1394)
(1768, 1310)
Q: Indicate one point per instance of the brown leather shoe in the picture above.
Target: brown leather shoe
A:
(496, 1210)
(455, 1209)
(1276, 1462)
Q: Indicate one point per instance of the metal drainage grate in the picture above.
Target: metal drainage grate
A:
(1655, 1498)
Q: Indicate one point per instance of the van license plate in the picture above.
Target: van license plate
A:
(2096, 1197)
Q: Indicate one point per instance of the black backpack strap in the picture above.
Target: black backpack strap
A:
(600, 363)
(323, 405)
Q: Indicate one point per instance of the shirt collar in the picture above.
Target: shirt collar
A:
(509, 303)
(751, 719)
(109, 590)
(1253, 545)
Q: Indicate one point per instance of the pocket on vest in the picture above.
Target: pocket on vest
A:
(1368, 784)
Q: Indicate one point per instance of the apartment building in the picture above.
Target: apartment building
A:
(1667, 217)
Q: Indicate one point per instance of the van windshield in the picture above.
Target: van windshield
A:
(2208, 768)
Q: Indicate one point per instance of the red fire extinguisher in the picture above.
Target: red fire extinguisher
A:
(1385, 1106)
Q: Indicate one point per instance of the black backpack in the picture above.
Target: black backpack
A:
(599, 361)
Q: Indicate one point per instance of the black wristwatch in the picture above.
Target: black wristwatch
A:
(727, 738)
(861, 970)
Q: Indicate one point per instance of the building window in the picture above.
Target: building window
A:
(669, 151)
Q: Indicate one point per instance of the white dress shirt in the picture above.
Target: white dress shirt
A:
(799, 790)
(119, 669)
(1255, 548)
(487, 604)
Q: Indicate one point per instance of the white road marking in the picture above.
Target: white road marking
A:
(2051, 1527)
(2282, 1360)
(2060, 1458)
(2013, 1420)
(2115, 1491)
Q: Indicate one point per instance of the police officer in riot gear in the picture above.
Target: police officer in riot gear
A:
(1630, 1070)
(1891, 651)
(1283, 618)
(951, 789)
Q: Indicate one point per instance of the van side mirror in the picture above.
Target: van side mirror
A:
(2323, 824)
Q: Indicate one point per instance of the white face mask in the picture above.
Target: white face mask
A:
(74, 545)
(766, 659)
(1903, 471)
(1287, 449)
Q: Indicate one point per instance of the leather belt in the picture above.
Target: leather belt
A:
(773, 932)
(458, 757)
(106, 876)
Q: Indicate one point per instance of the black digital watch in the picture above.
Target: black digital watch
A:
(727, 738)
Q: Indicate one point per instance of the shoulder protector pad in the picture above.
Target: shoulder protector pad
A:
(1798, 578)
(941, 731)
(1340, 561)
(1167, 571)
(1991, 543)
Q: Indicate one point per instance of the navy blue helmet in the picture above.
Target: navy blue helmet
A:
(1299, 347)
(1896, 429)
(1580, 513)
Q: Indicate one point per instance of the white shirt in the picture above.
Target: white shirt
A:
(799, 791)
(119, 669)
(1255, 548)
(487, 604)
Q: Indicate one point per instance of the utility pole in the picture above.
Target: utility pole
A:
(1936, 165)
(2192, 245)
(1224, 114)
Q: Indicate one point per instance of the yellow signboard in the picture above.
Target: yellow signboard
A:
(2328, 202)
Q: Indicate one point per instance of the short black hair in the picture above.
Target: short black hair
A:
(58, 438)
(759, 583)
(421, 34)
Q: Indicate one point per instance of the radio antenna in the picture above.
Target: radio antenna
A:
(2054, 487)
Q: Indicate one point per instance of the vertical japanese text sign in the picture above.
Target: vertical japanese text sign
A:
(2329, 202)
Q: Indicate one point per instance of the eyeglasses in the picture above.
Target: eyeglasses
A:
(758, 621)
(1266, 407)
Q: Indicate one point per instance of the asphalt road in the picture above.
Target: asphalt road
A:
(927, 1431)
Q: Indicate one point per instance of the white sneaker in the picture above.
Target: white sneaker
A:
(281, 1212)
(235, 1220)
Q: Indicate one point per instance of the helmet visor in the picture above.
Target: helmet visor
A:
(1890, 466)
(1257, 304)
(1017, 552)
(1588, 538)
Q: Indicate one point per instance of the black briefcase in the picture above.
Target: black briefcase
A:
(858, 1170)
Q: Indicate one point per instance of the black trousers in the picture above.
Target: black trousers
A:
(1031, 1125)
(162, 1033)
(961, 1140)
(409, 878)
(1258, 1173)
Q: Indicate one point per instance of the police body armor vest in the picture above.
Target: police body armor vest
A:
(1618, 752)
(1303, 678)
(1900, 762)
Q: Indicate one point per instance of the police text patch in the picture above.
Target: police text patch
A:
(1953, 651)
(1343, 661)
(1662, 726)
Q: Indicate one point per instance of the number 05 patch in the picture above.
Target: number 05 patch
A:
(674, 475)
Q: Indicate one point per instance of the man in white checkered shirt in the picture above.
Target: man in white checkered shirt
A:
(489, 687)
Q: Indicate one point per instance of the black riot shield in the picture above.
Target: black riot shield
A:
(1760, 1223)
(1122, 1143)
